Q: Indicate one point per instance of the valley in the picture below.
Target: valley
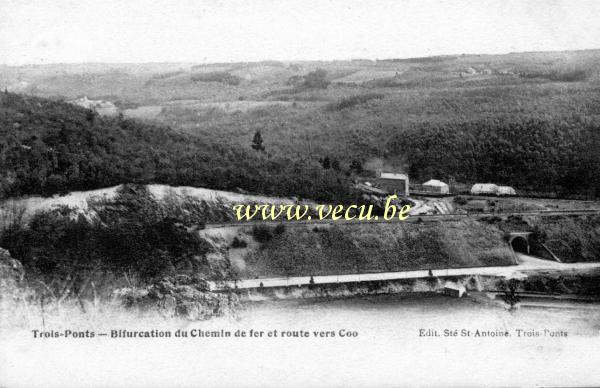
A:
(125, 175)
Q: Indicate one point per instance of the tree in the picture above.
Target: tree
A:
(326, 163)
(316, 79)
(257, 142)
(356, 165)
(511, 297)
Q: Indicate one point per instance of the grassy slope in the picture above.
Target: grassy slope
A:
(377, 248)
(570, 238)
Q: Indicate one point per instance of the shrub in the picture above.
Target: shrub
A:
(262, 233)
(238, 243)
(460, 200)
(491, 219)
(558, 74)
(217, 76)
(510, 289)
(279, 229)
(349, 102)
(316, 79)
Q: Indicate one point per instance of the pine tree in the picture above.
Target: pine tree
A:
(257, 142)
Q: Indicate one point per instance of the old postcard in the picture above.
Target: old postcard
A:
(299, 193)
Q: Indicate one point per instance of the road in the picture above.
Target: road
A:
(527, 264)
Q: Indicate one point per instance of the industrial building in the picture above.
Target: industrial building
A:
(394, 183)
(492, 189)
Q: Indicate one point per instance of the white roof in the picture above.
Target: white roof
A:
(391, 175)
(506, 189)
(484, 186)
(434, 182)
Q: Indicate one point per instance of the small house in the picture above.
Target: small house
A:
(394, 183)
(484, 189)
(435, 186)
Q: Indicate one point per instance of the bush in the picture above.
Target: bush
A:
(491, 219)
(217, 76)
(316, 79)
(262, 233)
(238, 243)
(349, 102)
(558, 74)
(279, 229)
(460, 200)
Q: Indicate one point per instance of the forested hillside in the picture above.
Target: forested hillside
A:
(529, 120)
(50, 147)
(534, 155)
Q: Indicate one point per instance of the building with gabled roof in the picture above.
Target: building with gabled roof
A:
(436, 186)
(394, 183)
(506, 190)
(484, 188)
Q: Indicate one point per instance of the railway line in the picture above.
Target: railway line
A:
(410, 219)
(527, 265)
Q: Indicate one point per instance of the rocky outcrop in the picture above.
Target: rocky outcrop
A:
(182, 296)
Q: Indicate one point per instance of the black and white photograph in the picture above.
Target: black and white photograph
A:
(299, 193)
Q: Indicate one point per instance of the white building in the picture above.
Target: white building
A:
(506, 190)
(484, 188)
(435, 186)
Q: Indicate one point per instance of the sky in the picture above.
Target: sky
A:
(73, 31)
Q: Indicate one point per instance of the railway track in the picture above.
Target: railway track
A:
(528, 267)
(410, 219)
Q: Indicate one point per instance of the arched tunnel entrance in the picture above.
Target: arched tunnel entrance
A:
(520, 244)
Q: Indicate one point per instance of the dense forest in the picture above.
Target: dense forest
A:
(534, 155)
(49, 147)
